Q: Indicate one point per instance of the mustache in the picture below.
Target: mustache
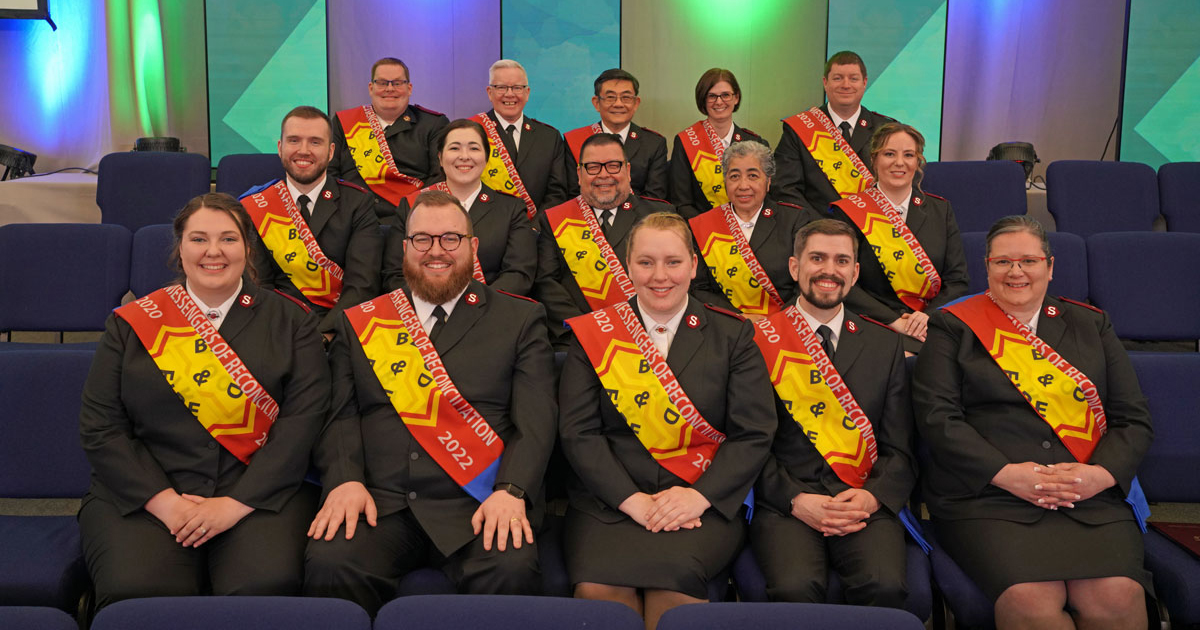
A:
(828, 277)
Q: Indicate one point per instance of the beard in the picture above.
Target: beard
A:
(823, 301)
(318, 170)
(439, 290)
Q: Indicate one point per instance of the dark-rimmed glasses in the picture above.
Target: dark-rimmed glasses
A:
(593, 168)
(1025, 262)
(384, 83)
(449, 241)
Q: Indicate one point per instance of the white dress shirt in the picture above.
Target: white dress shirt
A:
(518, 124)
(834, 324)
(663, 333)
(216, 314)
(425, 309)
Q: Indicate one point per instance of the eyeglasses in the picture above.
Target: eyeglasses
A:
(593, 168)
(449, 241)
(724, 96)
(509, 88)
(611, 99)
(383, 83)
(1025, 262)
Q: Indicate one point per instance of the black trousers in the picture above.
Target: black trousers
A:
(795, 560)
(136, 556)
(367, 569)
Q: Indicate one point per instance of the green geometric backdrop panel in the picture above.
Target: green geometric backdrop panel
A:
(904, 47)
(264, 58)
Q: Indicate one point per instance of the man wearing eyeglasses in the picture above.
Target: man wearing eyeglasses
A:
(823, 154)
(443, 418)
(387, 146)
(527, 155)
(617, 102)
(581, 242)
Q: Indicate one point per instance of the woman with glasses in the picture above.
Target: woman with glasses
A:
(198, 416)
(696, 180)
(507, 257)
(1035, 425)
(910, 251)
(664, 455)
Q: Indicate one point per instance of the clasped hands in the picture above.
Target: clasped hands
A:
(1051, 486)
(670, 510)
(194, 520)
(915, 324)
(838, 515)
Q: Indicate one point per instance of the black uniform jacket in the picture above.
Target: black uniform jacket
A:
(646, 151)
(540, 162)
(799, 180)
(685, 189)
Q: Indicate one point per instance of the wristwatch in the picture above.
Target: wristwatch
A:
(510, 488)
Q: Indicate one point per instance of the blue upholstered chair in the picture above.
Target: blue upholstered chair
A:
(742, 615)
(1070, 264)
(35, 618)
(1179, 195)
(240, 172)
(504, 612)
(1147, 283)
(148, 269)
(979, 191)
(233, 613)
(1087, 197)
(139, 188)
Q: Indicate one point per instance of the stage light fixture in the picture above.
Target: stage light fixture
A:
(17, 163)
(1020, 152)
(170, 145)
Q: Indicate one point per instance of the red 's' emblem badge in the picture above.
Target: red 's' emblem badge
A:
(862, 122)
(472, 298)
(528, 127)
(1051, 311)
(917, 201)
(626, 205)
(633, 134)
(693, 321)
(247, 300)
(767, 212)
(851, 327)
(328, 194)
(483, 196)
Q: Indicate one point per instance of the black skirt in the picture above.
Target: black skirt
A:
(626, 554)
(997, 554)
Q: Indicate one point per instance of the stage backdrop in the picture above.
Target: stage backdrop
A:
(904, 48)
(1160, 120)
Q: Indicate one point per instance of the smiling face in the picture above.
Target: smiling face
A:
(463, 157)
(844, 86)
(616, 103)
(212, 254)
(438, 275)
(305, 148)
(824, 271)
(1021, 288)
(720, 109)
(391, 101)
(604, 189)
(897, 162)
(509, 103)
(661, 267)
(746, 184)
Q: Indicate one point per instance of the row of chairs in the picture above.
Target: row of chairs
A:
(450, 612)
(67, 277)
(41, 563)
(1085, 197)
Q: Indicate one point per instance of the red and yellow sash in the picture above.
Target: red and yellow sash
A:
(408, 367)
(500, 173)
(210, 379)
(576, 137)
(816, 396)
(832, 152)
(372, 155)
(477, 270)
(905, 263)
(1060, 394)
(646, 392)
(704, 150)
(292, 245)
(734, 265)
(589, 256)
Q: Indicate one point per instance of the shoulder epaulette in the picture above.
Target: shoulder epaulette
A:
(747, 131)
(519, 297)
(426, 110)
(877, 323)
(307, 308)
(257, 189)
(649, 198)
(653, 132)
(725, 311)
(790, 205)
(343, 182)
(929, 194)
(1078, 303)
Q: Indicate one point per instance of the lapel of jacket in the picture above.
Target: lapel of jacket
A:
(862, 135)
(530, 137)
(623, 222)
(688, 338)
(481, 207)
(1051, 329)
(916, 212)
(763, 227)
(324, 206)
(402, 124)
(467, 311)
(242, 310)
(850, 342)
(633, 141)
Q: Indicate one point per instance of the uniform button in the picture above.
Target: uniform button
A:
(414, 456)
(212, 446)
(1046, 444)
(412, 496)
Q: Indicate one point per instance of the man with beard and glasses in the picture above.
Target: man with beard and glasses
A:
(320, 242)
(442, 420)
(578, 266)
(841, 467)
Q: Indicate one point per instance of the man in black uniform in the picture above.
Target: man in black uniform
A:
(799, 178)
(410, 131)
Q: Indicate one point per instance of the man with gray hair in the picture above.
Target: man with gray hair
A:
(527, 155)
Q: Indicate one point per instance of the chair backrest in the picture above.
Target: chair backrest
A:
(1171, 383)
(503, 612)
(35, 618)
(1070, 264)
(40, 456)
(148, 270)
(979, 191)
(1087, 197)
(785, 616)
(140, 188)
(61, 276)
(235, 612)
(1179, 195)
(239, 172)
(1147, 283)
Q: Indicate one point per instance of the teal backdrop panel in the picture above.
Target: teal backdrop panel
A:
(904, 47)
(1161, 111)
(564, 45)
(264, 58)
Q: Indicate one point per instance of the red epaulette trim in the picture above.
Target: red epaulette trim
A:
(929, 194)
(307, 308)
(747, 131)
(343, 182)
(877, 323)
(1078, 303)
(519, 297)
(790, 205)
(426, 109)
(653, 132)
(725, 311)
(649, 198)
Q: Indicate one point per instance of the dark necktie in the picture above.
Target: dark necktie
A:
(511, 130)
(605, 217)
(846, 131)
(826, 340)
(303, 200)
(439, 316)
